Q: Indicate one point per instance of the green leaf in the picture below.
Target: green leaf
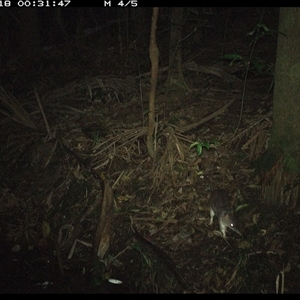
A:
(206, 145)
(199, 149)
(242, 206)
(193, 145)
(264, 27)
(258, 65)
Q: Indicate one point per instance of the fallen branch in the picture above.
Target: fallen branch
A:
(42, 112)
(206, 119)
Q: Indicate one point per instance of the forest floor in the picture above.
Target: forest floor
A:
(57, 171)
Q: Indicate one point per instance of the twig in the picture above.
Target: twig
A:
(121, 252)
(42, 111)
(155, 220)
(15, 109)
(74, 245)
(280, 276)
(116, 182)
(207, 118)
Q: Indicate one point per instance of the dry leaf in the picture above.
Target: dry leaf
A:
(45, 228)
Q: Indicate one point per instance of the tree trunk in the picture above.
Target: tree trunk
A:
(60, 25)
(154, 57)
(175, 75)
(280, 165)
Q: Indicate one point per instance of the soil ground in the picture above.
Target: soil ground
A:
(95, 101)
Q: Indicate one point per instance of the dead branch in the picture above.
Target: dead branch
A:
(42, 112)
(103, 231)
(206, 119)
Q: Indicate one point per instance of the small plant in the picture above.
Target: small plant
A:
(259, 31)
(259, 65)
(199, 146)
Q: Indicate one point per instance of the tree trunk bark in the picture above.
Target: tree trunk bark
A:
(280, 165)
(154, 57)
(175, 74)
